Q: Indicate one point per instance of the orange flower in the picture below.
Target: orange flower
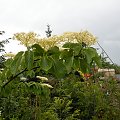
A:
(87, 75)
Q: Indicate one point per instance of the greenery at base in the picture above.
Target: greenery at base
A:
(70, 99)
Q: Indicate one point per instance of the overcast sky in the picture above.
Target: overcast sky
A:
(100, 17)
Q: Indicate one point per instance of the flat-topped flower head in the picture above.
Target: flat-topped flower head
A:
(31, 38)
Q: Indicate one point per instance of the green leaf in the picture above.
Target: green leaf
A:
(77, 50)
(68, 64)
(52, 51)
(45, 63)
(33, 87)
(8, 73)
(38, 50)
(66, 54)
(29, 59)
(84, 65)
(75, 46)
(30, 73)
(8, 62)
(90, 53)
(58, 69)
(71, 45)
(23, 65)
(3, 75)
(16, 62)
(76, 63)
(97, 60)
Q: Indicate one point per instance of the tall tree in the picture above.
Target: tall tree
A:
(2, 49)
(48, 32)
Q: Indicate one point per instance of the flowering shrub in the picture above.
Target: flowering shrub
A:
(47, 81)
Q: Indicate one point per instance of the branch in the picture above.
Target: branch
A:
(13, 77)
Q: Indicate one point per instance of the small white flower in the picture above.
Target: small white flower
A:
(0, 113)
(23, 78)
(44, 84)
(42, 78)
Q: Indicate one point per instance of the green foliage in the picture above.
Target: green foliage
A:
(54, 61)
(38, 50)
(29, 59)
(107, 64)
(45, 63)
(88, 100)
(2, 50)
(14, 66)
(25, 95)
(58, 69)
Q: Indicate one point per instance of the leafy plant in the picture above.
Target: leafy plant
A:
(48, 84)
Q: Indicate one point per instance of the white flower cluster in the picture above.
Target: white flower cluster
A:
(31, 38)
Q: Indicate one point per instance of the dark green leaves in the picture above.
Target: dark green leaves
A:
(38, 50)
(71, 45)
(59, 69)
(84, 66)
(90, 53)
(29, 59)
(8, 62)
(53, 51)
(53, 61)
(69, 63)
(76, 63)
(76, 47)
(16, 62)
(98, 61)
(45, 63)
